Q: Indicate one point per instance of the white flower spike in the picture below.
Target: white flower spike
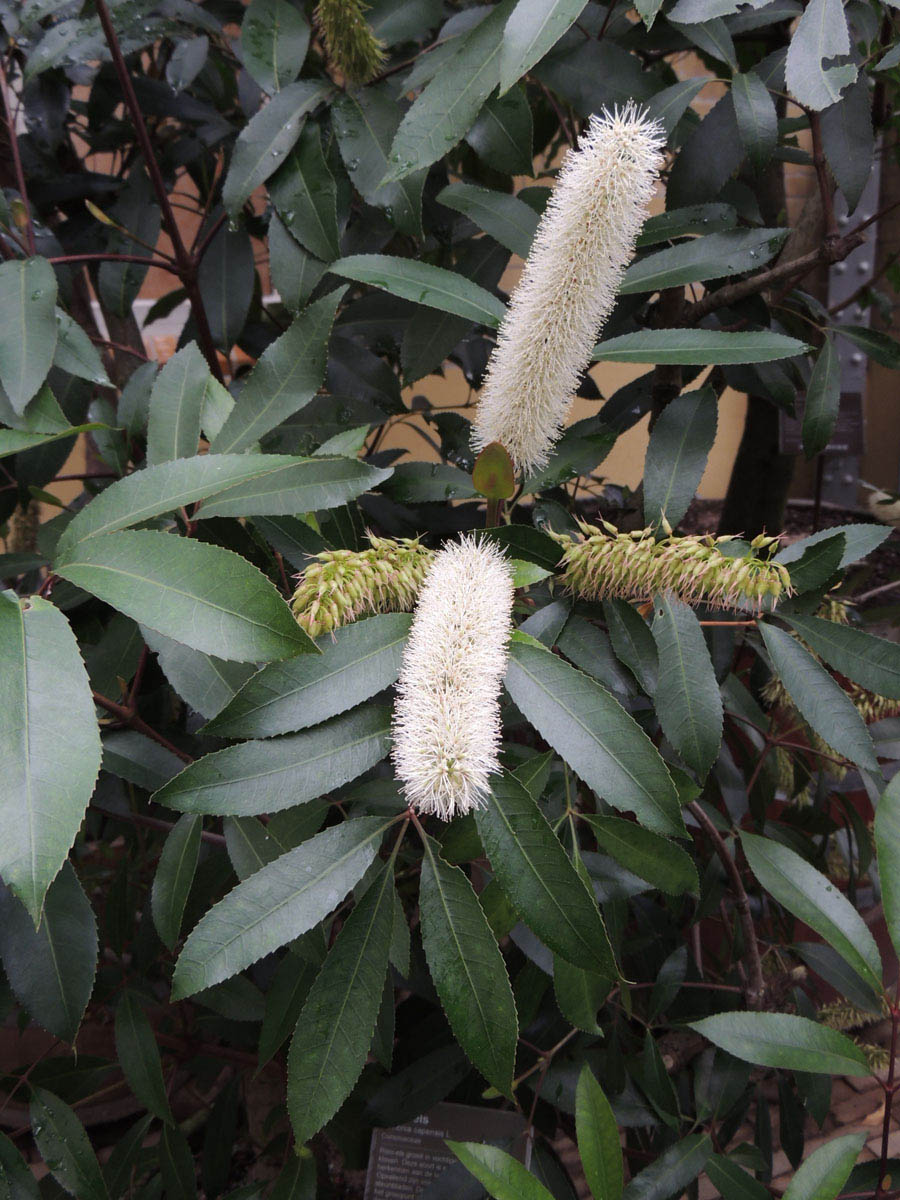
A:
(568, 287)
(447, 714)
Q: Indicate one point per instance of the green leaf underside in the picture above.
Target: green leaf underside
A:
(49, 745)
(539, 878)
(229, 485)
(688, 701)
(887, 844)
(598, 1138)
(872, 662)
(468, 969)
(334, 1030)
(819, 700)
(202, 595)
(823, 1175)
(590, 729)
(809, 895)
(278, 903)
(174, 876)
(647, 854)
(786, 1041)
(697, 347)
(139, 1057)
(435, 287)
(357, 662)
(266, 776)
(503, 1176)
(51, 969)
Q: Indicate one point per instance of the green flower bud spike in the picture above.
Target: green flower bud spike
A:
(339, 586)
(351, 46)
(607, 564)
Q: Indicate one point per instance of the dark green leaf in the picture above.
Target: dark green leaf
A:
(285, 378)
(365, 123)
(633, 642)
(672, 1171)
(64, 1146)
(710, 257)
(446, 109)
(697, 346)
(176, 1163)
(294, 272)
(284, 1000)
(676, 456)
(591, 730)
(819, 562)
(468, 969)
(49, 745)
(849, 141)
(274, 41)
(539, 878)
(823, 399)
(823, 1175)
(176, 402)
(887, 848)
(859, 541)
(819, 700)
(139, 1059)
(27, 327)
(872, 662)
(51, 969)
(507, 219)
(598, 1138)
(265, 776)
(809, 895)
(305, 194)
(76, 353)
(785, 1041)
(423, 283)
(263, 143)
(334, 1031)
(231, 484)
(174, 876)
(756, 118)
(225, 280)
(732, 1181)
(298, 1179)
(277, 904)
(695, 218)
(207, 683)
(203, 595)
(579, 994)
(503, 1176)
(590, 649)
(356, 663)
(502, 135)
(688, 702)
(647, 854)
(532, 30)
(15, 1174)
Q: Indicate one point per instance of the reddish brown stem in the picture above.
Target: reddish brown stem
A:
(214, 839)
(17, 161)
(826, 192)
(186, 264)
(756, 984)
(130, 717)
(66, 260)
(889, 1090)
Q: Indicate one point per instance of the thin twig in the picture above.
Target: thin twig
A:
(17, 161)
(65, 260)
(214, 839)
(756, 984)
(186, 264)
(130, 717)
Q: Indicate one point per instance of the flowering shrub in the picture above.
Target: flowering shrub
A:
(337, 782)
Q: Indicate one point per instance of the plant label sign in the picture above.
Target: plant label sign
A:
(404, 1160)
